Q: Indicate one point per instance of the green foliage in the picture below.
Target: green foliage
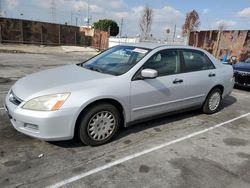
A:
(105, 24)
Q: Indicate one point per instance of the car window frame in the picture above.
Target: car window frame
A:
(199, 51)
(137, 76)
(247, 60)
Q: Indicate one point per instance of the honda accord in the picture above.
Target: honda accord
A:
(120, 86)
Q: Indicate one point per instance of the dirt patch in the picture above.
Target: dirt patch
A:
(244, 155)
(5, 80)
(244, 168)
(12, 51)
(78, 170)
(235, 142)
(157, 129)
(11, 163)
(196, 173)
(127, 141)
(108, 160)
(144, 169)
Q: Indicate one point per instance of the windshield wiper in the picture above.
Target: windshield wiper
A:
(93, 68)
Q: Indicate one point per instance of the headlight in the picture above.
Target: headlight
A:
(46, 103)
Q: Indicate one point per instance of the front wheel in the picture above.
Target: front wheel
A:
(99, 124)
(212, 102)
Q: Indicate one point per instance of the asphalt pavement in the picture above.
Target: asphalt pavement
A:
(185, 150)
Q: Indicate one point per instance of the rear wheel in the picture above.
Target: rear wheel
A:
(212, 102)
(99, 124)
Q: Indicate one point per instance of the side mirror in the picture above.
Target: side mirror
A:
(149, 73)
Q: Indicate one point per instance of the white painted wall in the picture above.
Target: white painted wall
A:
(116, 41)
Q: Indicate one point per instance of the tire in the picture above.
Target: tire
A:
(213, 101)
(99, 124)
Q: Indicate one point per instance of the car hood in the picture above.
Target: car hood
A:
(49, 80)
(242, 67)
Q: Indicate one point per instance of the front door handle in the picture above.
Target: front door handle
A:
(212, 75)
(177, 81)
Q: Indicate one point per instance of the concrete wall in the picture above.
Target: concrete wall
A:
(33, 32)
(234, 43)
(116, 41)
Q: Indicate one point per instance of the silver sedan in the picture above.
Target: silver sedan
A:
(123, 85)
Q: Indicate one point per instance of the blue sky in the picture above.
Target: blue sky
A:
(167, 13)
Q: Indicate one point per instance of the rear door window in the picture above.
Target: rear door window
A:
(196, 61)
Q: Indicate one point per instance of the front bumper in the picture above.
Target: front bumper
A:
(49, 126)
(242, 85)
(242, 78)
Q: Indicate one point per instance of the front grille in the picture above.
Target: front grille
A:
(242, 77)
(14, 99)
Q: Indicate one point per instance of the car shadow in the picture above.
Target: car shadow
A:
(242, 88)
(74, 143)
(228, 101)
(154, 123)
(169, 118)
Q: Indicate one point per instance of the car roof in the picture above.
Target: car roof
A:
(152, 46)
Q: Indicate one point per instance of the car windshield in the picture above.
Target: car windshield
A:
(117, 60)
(247, 60)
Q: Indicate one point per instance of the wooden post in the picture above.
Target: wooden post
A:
(75, 39)
(196, 38)
(59, 38)
(100, 40)
(41, 34)
(21, 25)
(217, 44)
(1, 34)
(188, 37)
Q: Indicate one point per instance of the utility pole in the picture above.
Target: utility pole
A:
(71, 17)
(79, 17)
(53, 10)
(174, 32)
(88, 15)
(76, 21)
(121, 27)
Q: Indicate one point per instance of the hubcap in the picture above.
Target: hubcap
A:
(101, 125)
(214, 101)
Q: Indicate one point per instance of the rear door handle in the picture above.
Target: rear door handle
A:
(177, 81)
(212, 75)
